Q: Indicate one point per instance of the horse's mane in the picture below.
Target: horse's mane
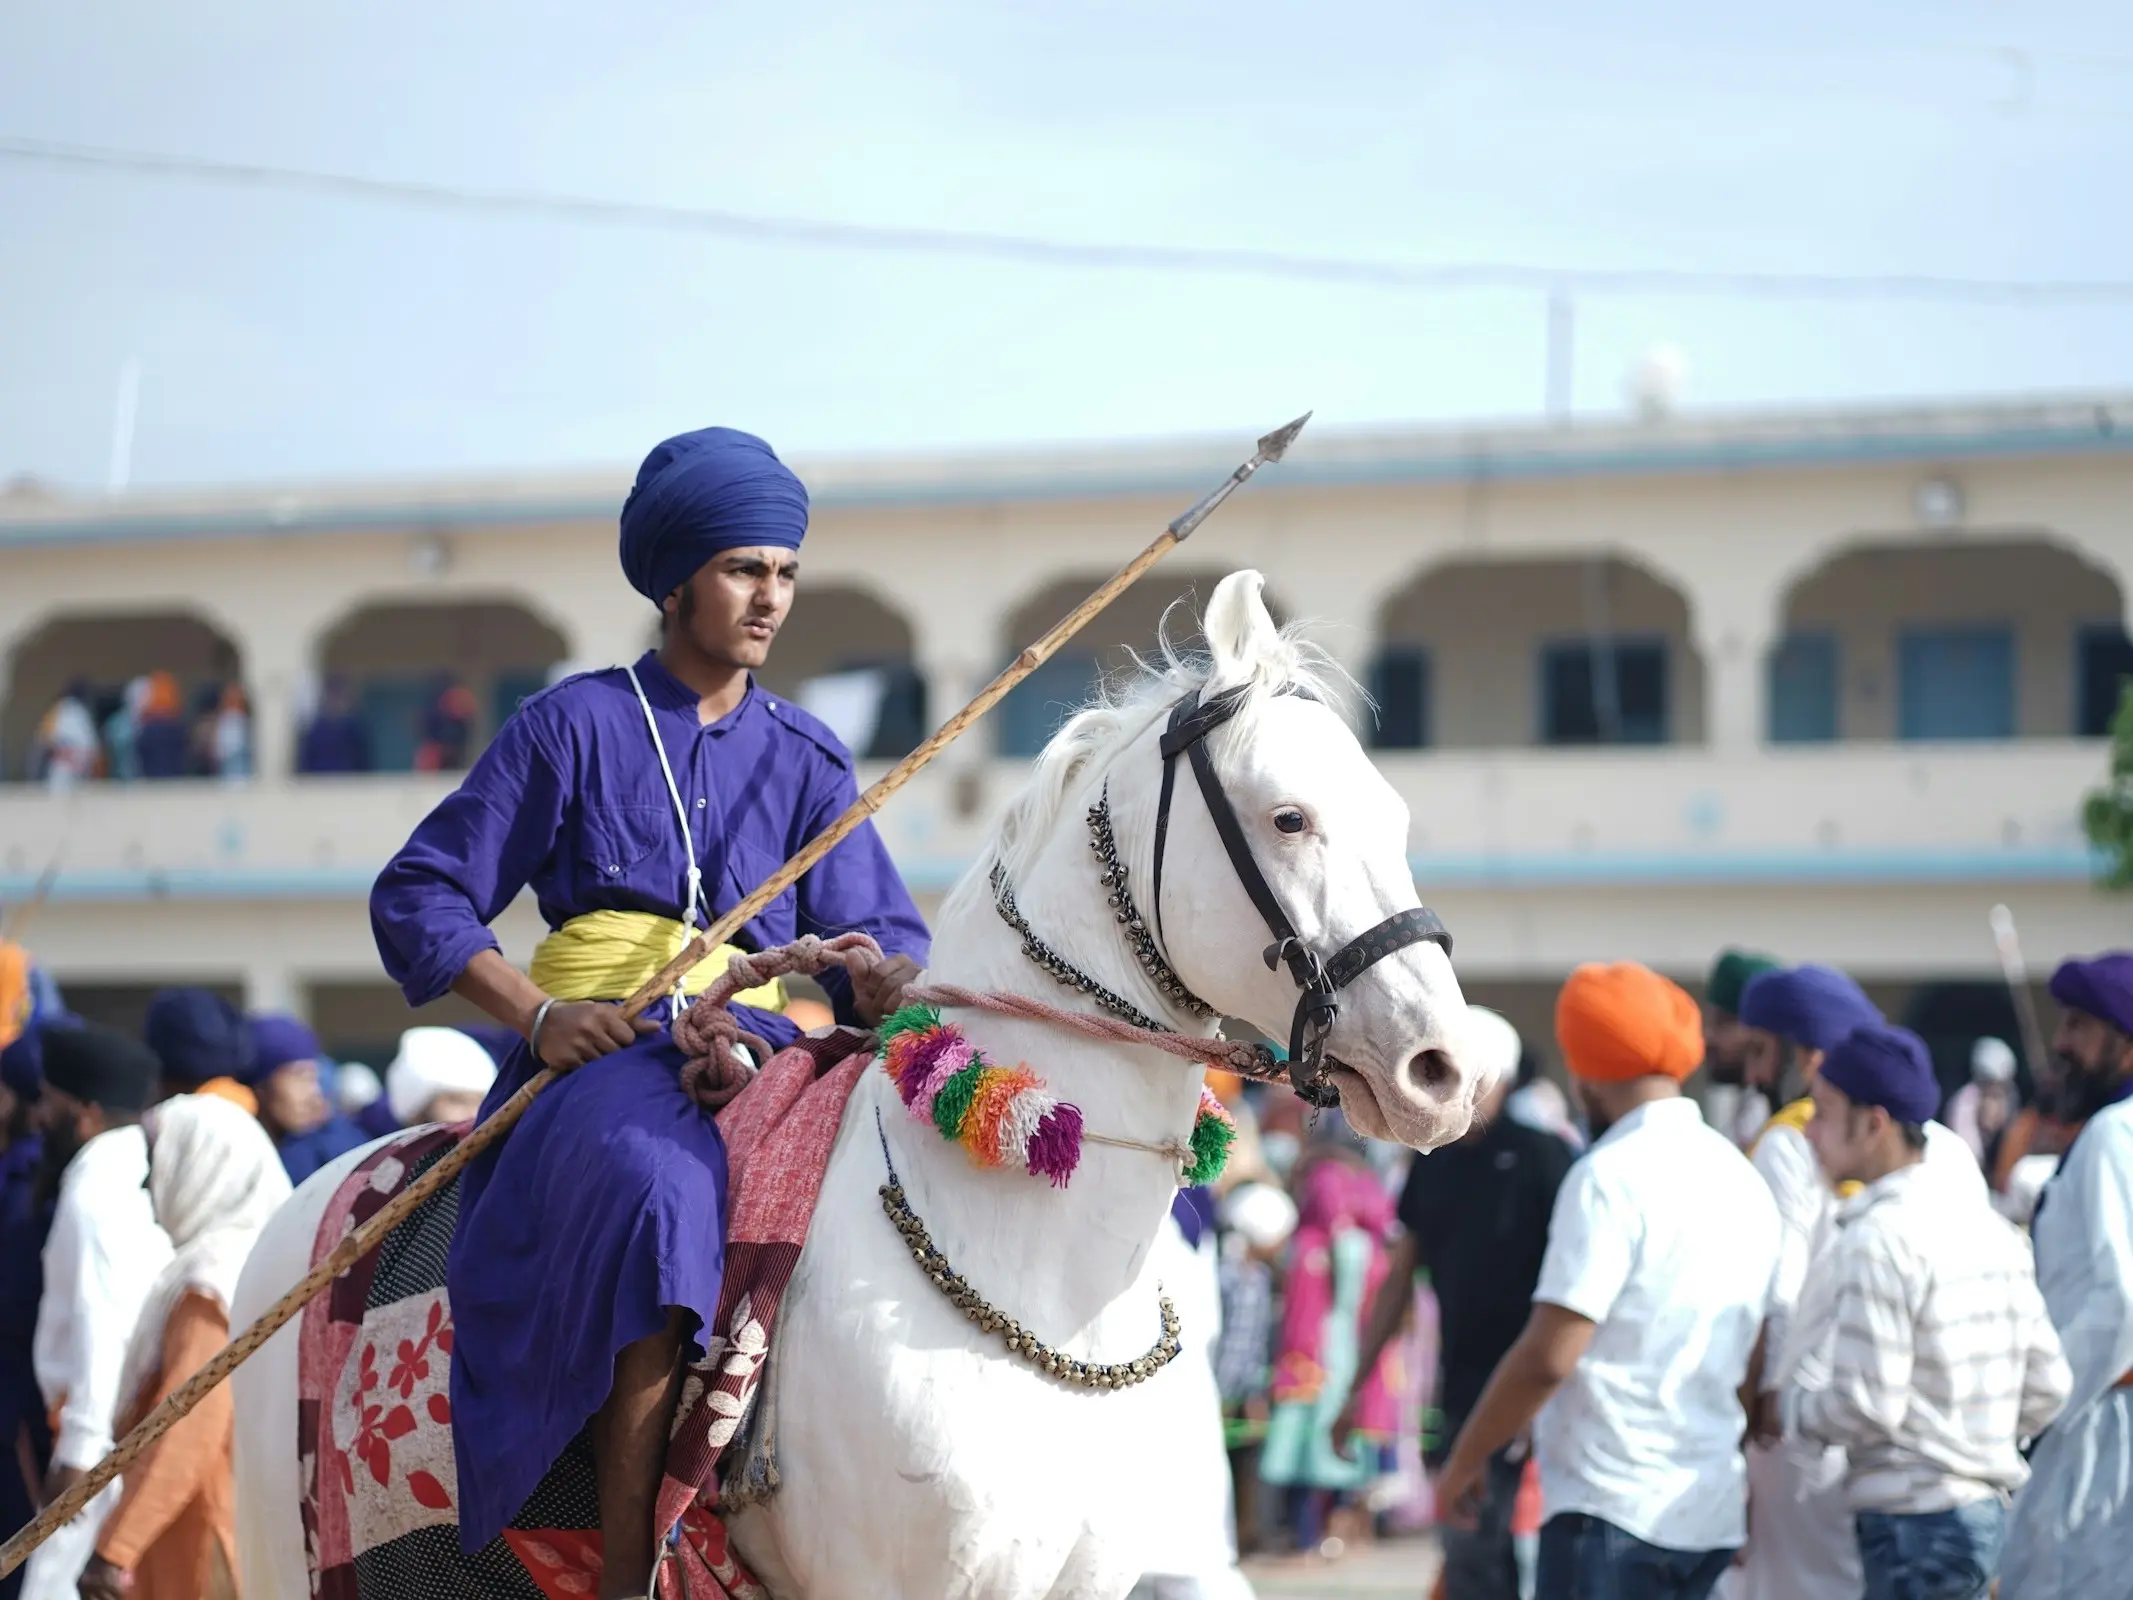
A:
(1126, 703)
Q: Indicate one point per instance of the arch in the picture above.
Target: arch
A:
(1037, 705)
(106, 650)
(1494, 653)
(1976, 638)
(392, 658)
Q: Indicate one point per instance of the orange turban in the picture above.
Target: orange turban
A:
(1624, 1021)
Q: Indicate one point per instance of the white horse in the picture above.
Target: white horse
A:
(920, 1460)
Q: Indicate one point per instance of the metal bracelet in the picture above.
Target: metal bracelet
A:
(533, 1034)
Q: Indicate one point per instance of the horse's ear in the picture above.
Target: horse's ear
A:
(1240, 630)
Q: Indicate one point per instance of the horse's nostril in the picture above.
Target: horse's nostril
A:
(1433, 1070)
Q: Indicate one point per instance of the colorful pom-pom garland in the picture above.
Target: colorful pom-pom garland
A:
(1004, 1116)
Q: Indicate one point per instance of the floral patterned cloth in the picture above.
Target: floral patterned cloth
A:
(374, 1431)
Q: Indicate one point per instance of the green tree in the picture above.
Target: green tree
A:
(2107, 813)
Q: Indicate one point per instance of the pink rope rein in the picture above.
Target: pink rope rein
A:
(708, 1032)
(1246, 1060)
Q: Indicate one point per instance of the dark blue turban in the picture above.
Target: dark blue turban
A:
(276, 1042)
(1811, 1005)
(22, 1063)
(2102, 986)
(1878, 1065)
(197, 1036)
(700, 493)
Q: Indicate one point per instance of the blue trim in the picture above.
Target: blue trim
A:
(2045, 863)
(1538, 454)
(937, 874)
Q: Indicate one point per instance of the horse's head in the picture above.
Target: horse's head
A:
(1325, 831)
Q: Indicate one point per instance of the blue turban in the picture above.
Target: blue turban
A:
(1878, 1065)
(2102, 986)
(700, 493)
(197, 1036)
(1811, 1005)
(276, 1042)
(22, 1063)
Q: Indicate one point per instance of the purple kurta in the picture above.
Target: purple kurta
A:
(605, 1204)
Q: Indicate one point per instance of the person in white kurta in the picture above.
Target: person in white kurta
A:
(1801, 1545)
(2071, 1533)
(100, 1260)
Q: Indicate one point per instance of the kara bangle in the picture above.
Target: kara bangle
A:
(533, 1034)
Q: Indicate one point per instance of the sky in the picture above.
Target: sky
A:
(293, 336)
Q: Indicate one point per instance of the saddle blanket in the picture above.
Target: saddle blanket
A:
(374, 1432)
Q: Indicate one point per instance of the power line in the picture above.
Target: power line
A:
(824, 234)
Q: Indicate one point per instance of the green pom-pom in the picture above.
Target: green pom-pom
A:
(953, 1102)
(908, 1019)
(1211, 1139)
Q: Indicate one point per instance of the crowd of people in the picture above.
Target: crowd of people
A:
(143, 730)
(135, 1175)
(146, 729)
(1648, 1340)
(1759, 1320)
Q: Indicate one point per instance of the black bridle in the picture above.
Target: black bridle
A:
(1321, 980)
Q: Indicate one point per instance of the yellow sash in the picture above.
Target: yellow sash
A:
(607, 955)
(1796, 1116)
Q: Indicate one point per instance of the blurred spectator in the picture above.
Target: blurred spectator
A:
(1336, 1261)
(25, 1439)
(214, 1181)
(161, 742)
(230, 742)
(1654, 1283)
(283, 1073)
(360, 1094)
(121, 729)
(447, 729)
(64, 751)
(1981, 1109)
(1940, 1359)
(1257, 1220)
(1476, 1216)
(337, 739)
(440, 1075)
(202, 1043)
(103, 1254)
(200, 745)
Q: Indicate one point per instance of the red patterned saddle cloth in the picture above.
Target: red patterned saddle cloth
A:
(374, 1433)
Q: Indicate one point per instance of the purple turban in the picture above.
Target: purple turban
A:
(1878, 1065)
(197, 1035)
(2102, 986)
(1811, 1005)
(276, 1042)
(700, 493)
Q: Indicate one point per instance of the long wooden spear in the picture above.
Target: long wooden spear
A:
(389, 1216)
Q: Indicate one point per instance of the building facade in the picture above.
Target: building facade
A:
(1832, 685)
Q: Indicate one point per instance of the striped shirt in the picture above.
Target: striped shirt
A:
(1941, 1356)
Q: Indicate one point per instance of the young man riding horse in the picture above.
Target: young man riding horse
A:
(638, 803)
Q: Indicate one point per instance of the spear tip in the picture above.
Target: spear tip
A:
(1274, 445)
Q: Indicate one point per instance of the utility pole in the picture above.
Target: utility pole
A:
(1562, 355)
(126, 408)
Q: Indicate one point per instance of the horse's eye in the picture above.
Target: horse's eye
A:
(1289, 821)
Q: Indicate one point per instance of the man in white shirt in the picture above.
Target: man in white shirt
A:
(2071, 1537)
(1656, 1280)
(1800, 1540)
(1941, 1359)
(100, 1260)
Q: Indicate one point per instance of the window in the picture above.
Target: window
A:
(1399, 683)
(1035, 707)
(1955, 683)
(1604, 693)
(1803, 689)
(2103, 659)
